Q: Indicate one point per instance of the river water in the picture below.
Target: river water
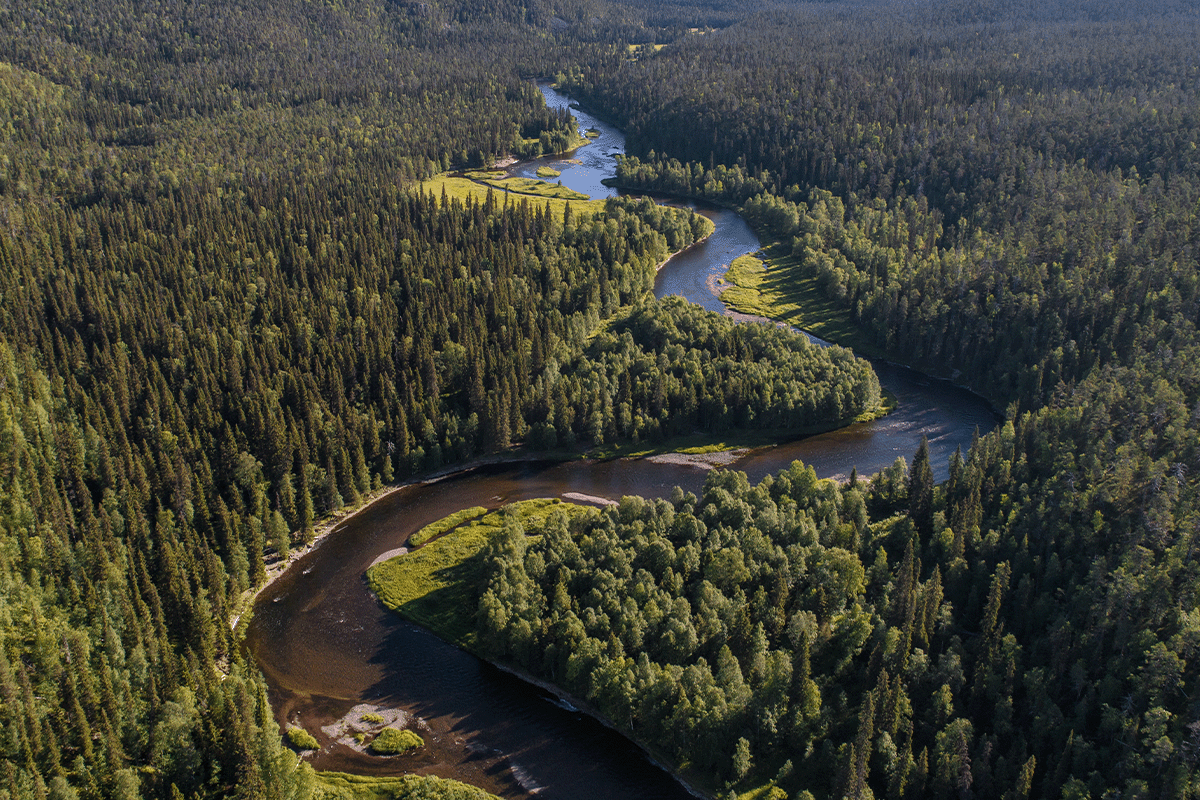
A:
(325, 644)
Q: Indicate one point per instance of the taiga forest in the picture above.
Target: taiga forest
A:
(232, 306)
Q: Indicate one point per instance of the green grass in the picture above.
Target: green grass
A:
(435, 529)
(437, 585)
(372, 718)
(692, 444)
(592, 133)
(536, 188)
(548, 172)
(302, 739)
(779, 289)
(768, 791)
(341, 786)
(391, 741)
(464, 189)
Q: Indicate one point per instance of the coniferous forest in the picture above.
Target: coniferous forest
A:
(229, 310)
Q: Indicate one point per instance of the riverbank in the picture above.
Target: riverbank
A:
(697, 243)
(709, 451)
(324, 642)
(776, 288)
(583, 707)
(432, 587)
(329, 525)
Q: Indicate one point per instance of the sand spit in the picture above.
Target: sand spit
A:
(701, 460)
(580, 497)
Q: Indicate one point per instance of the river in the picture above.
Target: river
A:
(325, 644)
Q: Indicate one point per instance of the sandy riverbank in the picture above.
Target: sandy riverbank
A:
(722, 458)
(580, 497)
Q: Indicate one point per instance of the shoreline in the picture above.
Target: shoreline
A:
(245, 604)
(585, 708)
(573, 703)
(696, 243)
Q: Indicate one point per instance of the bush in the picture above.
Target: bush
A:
(302, 739)
(372, 718)
(391, 741)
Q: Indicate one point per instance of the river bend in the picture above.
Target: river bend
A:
(325, 644)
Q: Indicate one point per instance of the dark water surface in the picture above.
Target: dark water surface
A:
(325, 644)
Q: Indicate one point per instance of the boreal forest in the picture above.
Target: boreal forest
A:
(230, 307)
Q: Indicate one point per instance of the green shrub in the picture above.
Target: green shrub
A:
(372, 718)
(391, 741)
(302, 739)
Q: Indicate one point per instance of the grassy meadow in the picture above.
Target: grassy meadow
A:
(512, 190)
(342, 786)
(435, 585)
(778, 288)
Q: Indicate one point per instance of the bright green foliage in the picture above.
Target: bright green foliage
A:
(436, 529)
(340, 786)
(302, 739)
(1022, 215)
(435, 585)
(684, 622)
(225, 314)
(391, 741)
(673, 368)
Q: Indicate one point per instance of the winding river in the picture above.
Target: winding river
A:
(325, 644)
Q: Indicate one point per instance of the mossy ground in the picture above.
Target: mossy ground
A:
(778, 288)
(436, 585)
(535, 188)
(342, 786)
(548, 172)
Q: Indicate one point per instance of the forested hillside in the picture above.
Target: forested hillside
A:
(1009, 194)
(1005, 193)
(229, 310)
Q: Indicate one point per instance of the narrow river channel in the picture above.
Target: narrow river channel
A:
(325, 644)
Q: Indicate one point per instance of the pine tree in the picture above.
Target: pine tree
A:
(920, 490)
